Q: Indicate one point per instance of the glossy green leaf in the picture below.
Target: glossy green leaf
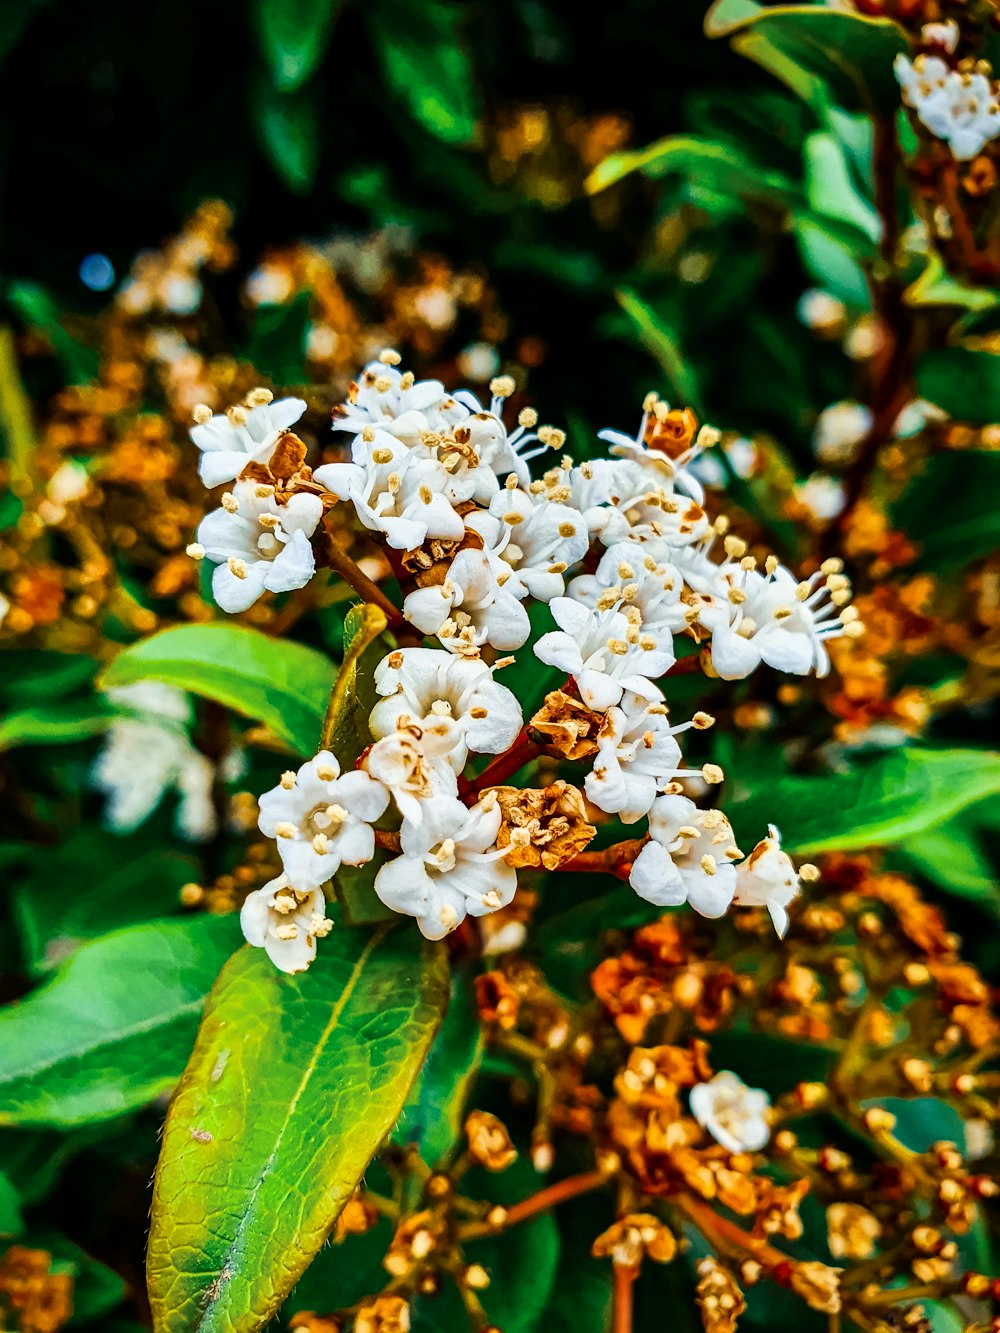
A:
(276, 681)
(962, 381)
(427, 66)
(936, 286)
(659, 338)
(345, 732)
(434, 1114)
(289, 132)
(904, 792)
(57, 723)
(11, 1221)
(39, 311)
(851, 54)
(831, 262)
(293, 35)
(950, 511)
(718, 165)
(93, 1043)
(293, 1085)
(833, 194)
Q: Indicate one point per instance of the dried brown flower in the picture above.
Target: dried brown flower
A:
(542, 826)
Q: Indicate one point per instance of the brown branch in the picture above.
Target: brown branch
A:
(341, 563)
(560, 1192)
(726, 1236)
(504, 766)
(615, 860)
(621, 1319)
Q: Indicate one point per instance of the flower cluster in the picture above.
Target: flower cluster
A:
(629, 564)
(959, 106)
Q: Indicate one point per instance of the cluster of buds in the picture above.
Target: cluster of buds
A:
(624, 556)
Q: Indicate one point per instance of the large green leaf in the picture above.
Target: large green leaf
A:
(280, 683)
(293, 36)
(427, 66)
(345, 732)
(113, 1028)
(293, 1085)
(58, 723)
(880, 803)
(850, 54)
(962, 381)
(434, 1113)
(720, 166)
(950, 509)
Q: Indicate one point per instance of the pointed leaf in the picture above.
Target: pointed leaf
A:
(275, 681)
(113, 1028)
(294, 1083)
(293, 36)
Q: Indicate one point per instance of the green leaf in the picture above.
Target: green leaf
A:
(954, 857)
(345, 732)
(522, 1264)
(11, 1221)
(293, 36)
(657, 336)
(56, 723)
(936, 286)
(93, 1042)
(962, 381)
(851, 54)
(39, 311)
(426, 65)
(719, 166)
(289, 132)
(831, 262)
(832, 192)
(434, 1113)
(293, 1085)
(950, 509)
(278, 345)
(280, 683)
(127, 883)
(891, 798)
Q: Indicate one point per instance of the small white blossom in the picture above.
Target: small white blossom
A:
(606, 652)
(776, 619)
(396, 493)
(736, 1116)
(637, 758)
(689, 858)
(822, 495)
(958, 106)
(286, 922)
(820, 311)
(397, 403)
(768, 878)
(425, 686)
(839, 430)
(629, 573)
(146, 753)
(414, 764)
(540, 540)
(258, 544)
(472, 606)
(450, 867)
(663, 471)
(245, 434)
(600, 490)
(946, 35)
(322, 819)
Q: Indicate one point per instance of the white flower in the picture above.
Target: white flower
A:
(734, 1115)
(472, 606)
(540, 540)
(244, 434)
(258, 544)
(397, 403)
(822, 495)
(449, 867)
(147, 753)
(955, 105)
(821, 311)
(606, 652)
(423, 686)
(946, 35)
(839, 430)
(322, 819)
(637, 757)
(600, 490)
(397, 493)
(414, 764)
(689, 858)
(773, 618)
(286, 922)
(629, 573)
(767, 878)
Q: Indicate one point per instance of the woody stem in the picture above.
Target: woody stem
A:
(341, 563)
(614, 860)
(624, 1284)
(387, 838)
(726, 1236)
(504, 766)
(547, 1198)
